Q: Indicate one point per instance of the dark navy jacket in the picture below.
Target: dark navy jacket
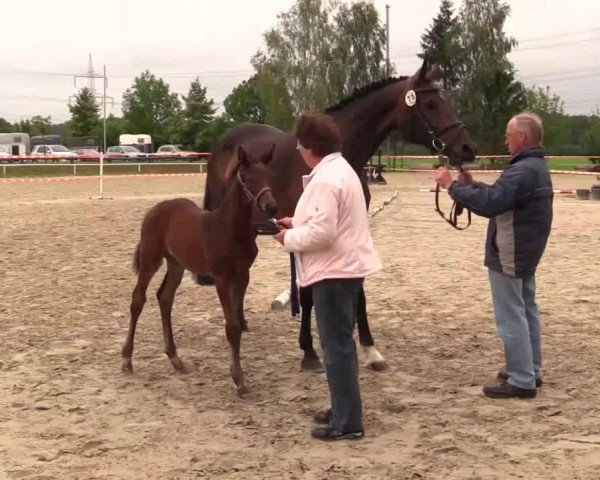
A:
(519, 206)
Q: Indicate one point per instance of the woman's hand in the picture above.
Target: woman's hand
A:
(280, 237)
(285, 222)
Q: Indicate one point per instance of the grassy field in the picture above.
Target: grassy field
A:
(81, 169)
(562, 163)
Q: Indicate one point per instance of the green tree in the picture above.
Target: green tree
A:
(272, 89)
(244, 103)
(488, 93)
(358, 47)
(541, 100)
(197, 115)
(5, 126)
(23, 126)
(40, 125)
(85, 114)
(207, 137)
(550, 108)
(591, 140)
(441, 44)
(115, 126)
(319, 52)
(149, 107)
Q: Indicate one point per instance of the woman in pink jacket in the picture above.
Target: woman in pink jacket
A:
(329, 235)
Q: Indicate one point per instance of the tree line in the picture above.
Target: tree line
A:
(319, 52)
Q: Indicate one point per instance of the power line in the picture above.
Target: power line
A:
(554, 45)
(554, 36)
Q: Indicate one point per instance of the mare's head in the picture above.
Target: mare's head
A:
(253, 176)
(432, 120)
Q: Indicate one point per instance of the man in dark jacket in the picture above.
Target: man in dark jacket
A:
(519, 206)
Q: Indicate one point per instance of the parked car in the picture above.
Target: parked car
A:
(54, 152)
(90, 154)
(124, 152)
(175, 150)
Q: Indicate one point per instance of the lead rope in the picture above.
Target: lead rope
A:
(456, 209)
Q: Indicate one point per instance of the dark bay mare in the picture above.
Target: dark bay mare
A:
(215, 244)
(411, 105)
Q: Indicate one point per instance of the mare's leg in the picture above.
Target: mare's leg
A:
(165, 296)
(311, 359)
(149, 263)
(229, 293)
(374, 359)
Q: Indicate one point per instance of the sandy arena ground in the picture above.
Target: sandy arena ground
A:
(67, 412)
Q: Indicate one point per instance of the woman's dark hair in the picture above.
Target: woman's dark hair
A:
(318, 132)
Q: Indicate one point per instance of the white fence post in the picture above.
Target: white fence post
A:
(101, 175)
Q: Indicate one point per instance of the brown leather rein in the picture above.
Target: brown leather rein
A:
(439, 145)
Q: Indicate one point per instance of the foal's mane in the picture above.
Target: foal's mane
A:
(363, 92)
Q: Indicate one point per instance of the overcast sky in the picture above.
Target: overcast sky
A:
(45, 42)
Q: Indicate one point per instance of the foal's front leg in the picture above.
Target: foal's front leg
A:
(229, 294)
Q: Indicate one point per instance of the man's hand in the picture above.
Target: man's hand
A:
(280, 237)
(443, 177)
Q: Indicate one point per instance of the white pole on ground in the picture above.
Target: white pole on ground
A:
(281, 301)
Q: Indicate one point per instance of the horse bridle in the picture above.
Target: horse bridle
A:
(249, 195)
(439, 146)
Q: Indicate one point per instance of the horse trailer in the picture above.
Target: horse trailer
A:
(16, 143)
(140, 141)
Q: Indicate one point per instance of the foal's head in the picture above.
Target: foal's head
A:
(253, 176)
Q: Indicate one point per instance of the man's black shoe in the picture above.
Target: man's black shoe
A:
(330, 434)
(506, 390)
(503, 377)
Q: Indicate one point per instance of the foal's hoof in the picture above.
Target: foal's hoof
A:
(127, 367)
(244, 325)
(179, 365)
(242, 390)
(378, 366)
(312, 365)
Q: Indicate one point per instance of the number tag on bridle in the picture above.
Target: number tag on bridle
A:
(410, 98)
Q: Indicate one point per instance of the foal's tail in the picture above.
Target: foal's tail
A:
(136, 259)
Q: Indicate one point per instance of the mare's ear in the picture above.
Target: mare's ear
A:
(434, 74)
(235, 162)
(422, 72)
(267, 157)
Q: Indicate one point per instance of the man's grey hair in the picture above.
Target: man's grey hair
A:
(531, 124)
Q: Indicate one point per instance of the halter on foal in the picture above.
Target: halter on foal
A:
(214, 244)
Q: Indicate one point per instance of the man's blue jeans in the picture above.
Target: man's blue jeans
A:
(335, 304)
(518, 323)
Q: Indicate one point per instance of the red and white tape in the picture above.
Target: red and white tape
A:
(563, 191)
(93, 177)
